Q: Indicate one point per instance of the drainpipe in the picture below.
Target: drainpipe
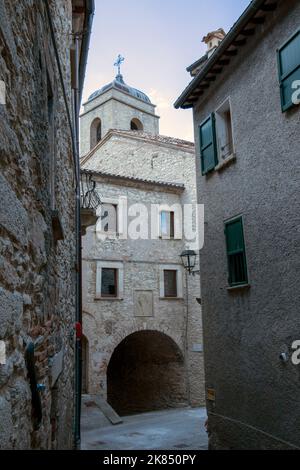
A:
(80, 68)
(78, 318)
(187, 339)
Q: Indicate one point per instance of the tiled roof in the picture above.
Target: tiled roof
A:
(197, 64)
(103, 174)
(156, 138)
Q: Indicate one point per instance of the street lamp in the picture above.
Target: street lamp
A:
(188, 258)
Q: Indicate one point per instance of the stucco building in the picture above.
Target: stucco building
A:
(37, 220)
(246, 117)
(141, 317)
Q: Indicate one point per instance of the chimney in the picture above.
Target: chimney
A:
(213, 39)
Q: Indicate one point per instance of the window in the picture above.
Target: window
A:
(109, 282)
(224, 131)
(96, 131)
(167, 226)
(216, 138)
(108, 219)
(136, 125)
(208, 147)
(236, 253)
(170, 283)
(289, 69)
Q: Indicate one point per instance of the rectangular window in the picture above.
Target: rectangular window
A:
(167, 227)
(289, 69)
(108, 220)
(236, 252)
(109, 282)
(170, 283)
(224, 131)
(208, 147)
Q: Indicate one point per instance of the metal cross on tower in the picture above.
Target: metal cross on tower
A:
(118, 63)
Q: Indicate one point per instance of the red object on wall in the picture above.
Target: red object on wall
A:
(78, 328)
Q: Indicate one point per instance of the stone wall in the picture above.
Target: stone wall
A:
(108, 322)
(246, 330)
(116, 110)
(36, 270)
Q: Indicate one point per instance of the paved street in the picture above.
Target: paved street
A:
(172, 429)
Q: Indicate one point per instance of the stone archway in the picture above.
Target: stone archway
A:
(146, 372)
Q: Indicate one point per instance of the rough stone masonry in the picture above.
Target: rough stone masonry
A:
(37, 243)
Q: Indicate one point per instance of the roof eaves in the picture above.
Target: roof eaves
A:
(197, 63)
(169, 185)
(192, 90)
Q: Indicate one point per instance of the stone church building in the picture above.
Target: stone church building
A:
(141, 310)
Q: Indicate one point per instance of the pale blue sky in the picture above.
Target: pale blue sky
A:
(159, 39)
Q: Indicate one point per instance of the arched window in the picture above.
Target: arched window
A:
(136, 125)
(96, 132)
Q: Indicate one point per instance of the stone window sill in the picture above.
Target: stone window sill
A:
(109, 299)
(223, 164)
(235, 288)
(171, 298)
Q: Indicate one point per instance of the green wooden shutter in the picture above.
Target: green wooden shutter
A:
(289, 69)
(208, 147)
(236, 253)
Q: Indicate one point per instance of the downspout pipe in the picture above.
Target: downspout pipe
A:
(90, 11)
(80, 69)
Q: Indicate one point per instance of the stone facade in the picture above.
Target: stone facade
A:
(246, 330)
(115, 110)
(145, 358)
(37, 288)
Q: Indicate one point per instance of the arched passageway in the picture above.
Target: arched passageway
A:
(146, 372)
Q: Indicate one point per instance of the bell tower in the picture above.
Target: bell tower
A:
(116, 106)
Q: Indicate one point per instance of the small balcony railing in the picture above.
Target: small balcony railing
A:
(89, 200)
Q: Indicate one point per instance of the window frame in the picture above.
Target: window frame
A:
(119, 267)
(179, 281)
(228, 254)
(109, 233)
(176, 284)
(109, 296)
(283, 77)
(171, 234)
(218, 112)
